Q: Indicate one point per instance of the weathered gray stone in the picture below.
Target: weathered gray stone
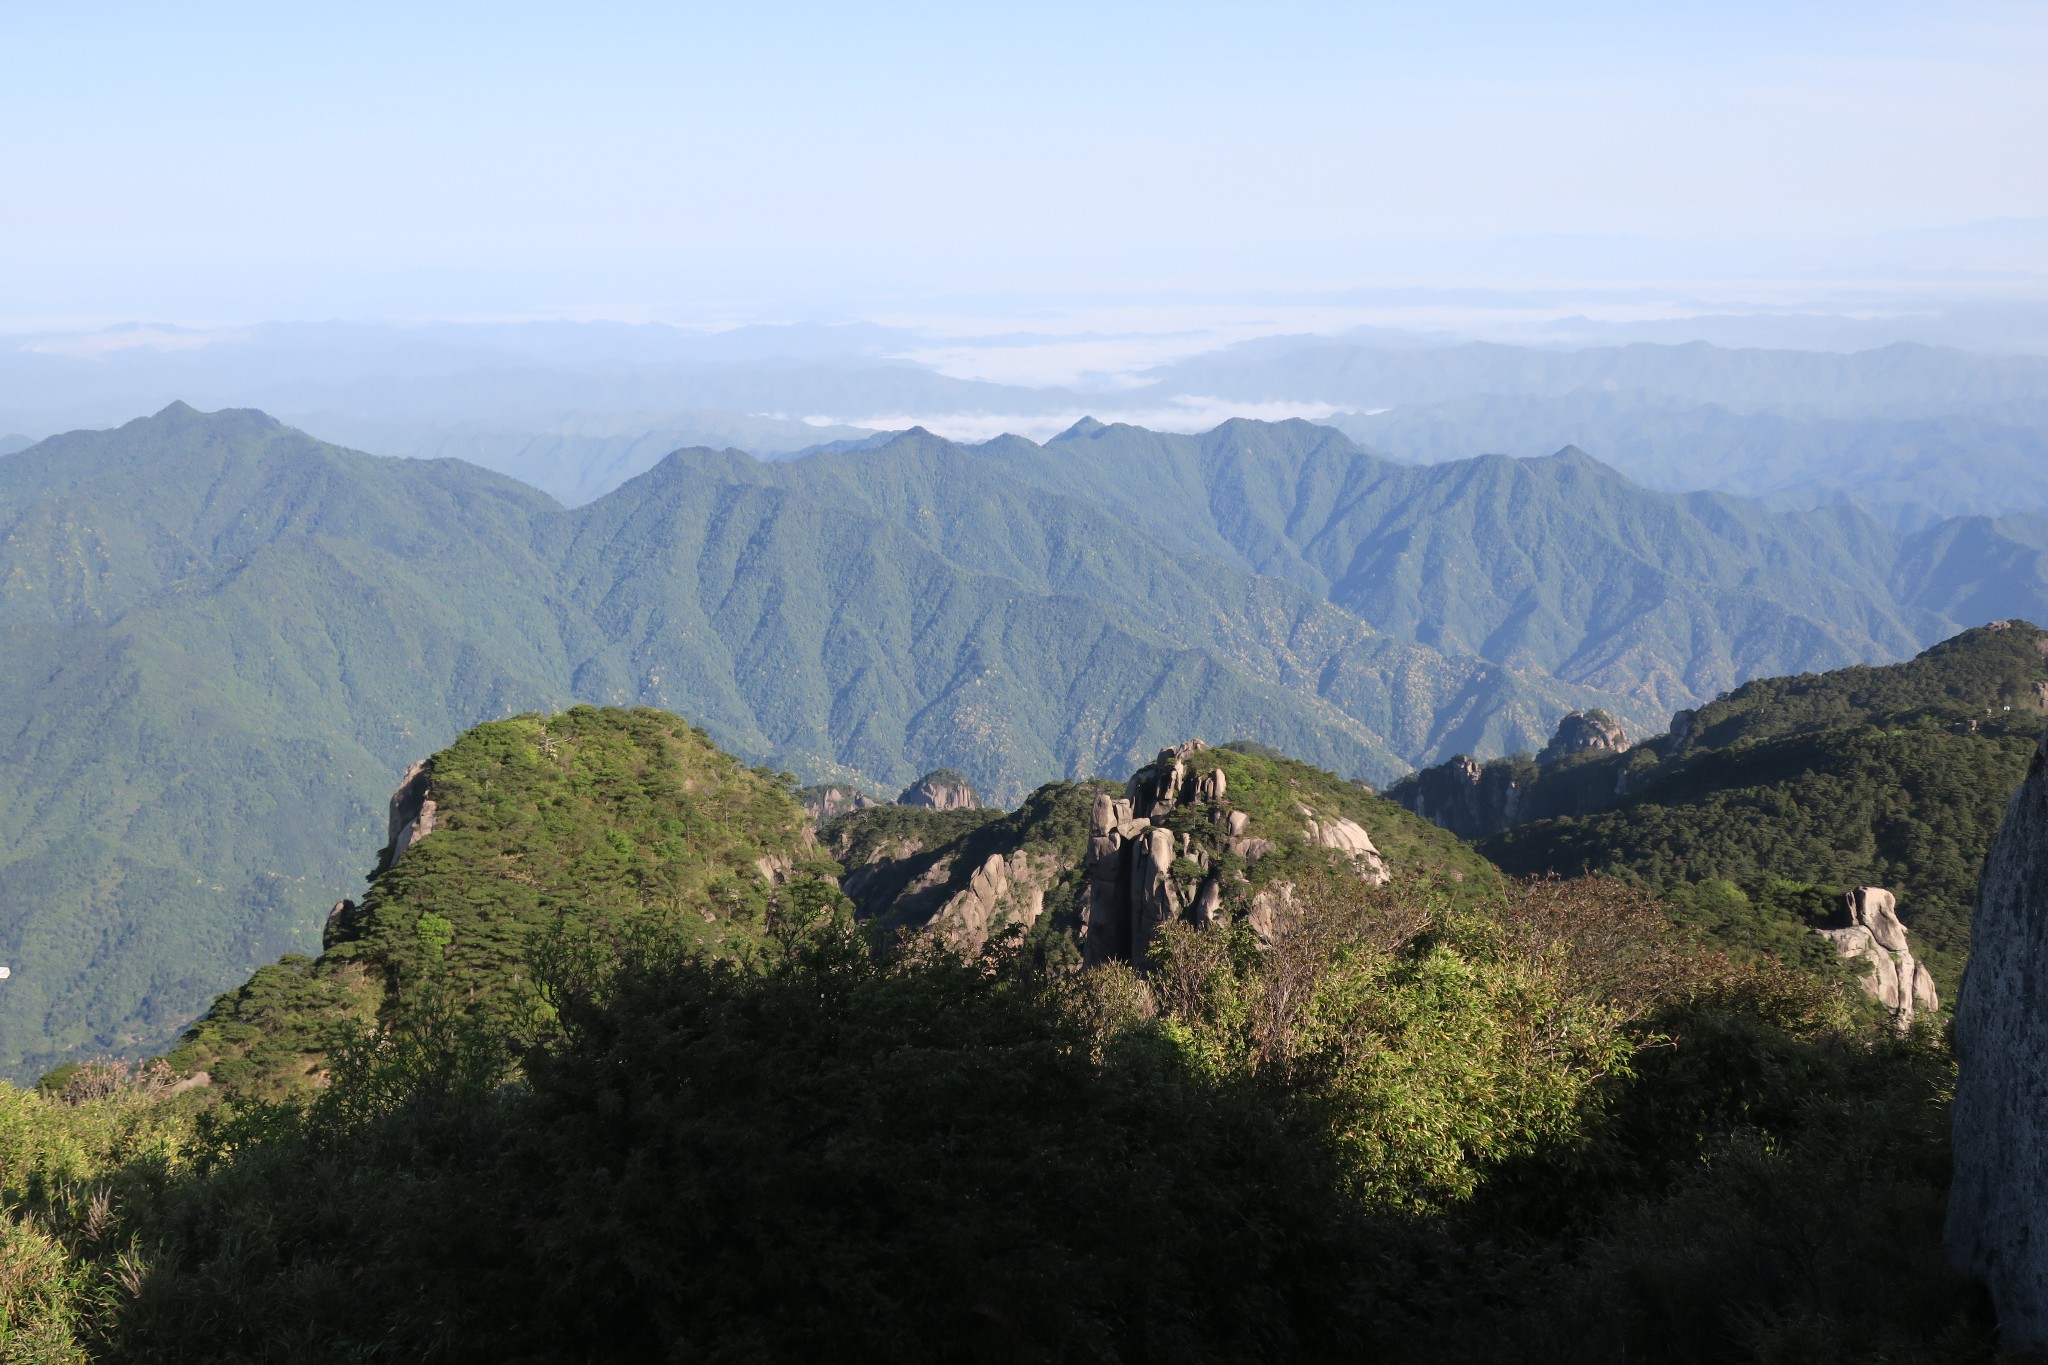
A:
(1153, 899)
(412, 809)
(941, 789)
(1998, 1201)
(1002, 891)
(1874, 936)
(1584, 732)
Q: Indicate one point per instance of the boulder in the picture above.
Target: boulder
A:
(1998, 1202)
(1349, 838)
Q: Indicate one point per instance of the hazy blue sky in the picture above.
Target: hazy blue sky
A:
(218, 161)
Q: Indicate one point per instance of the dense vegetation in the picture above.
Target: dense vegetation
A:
(1545, 1127)
(553, 833)
(1765, 802)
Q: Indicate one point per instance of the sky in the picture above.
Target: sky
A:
(211, 163)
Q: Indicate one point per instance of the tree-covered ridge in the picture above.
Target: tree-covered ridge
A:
(1894, 776)
(588, 824)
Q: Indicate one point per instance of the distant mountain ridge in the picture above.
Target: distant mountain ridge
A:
(223, 639)
(1947, 465)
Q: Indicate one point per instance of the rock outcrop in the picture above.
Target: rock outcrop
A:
(1003, 891)
(941, 789)
(829, 800)
(412, 810)
(1584, 732)
(1998, 1201)
(1872, 935)
(1465, 798)
(1474, 800)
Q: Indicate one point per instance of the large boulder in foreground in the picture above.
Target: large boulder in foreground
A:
(1998, 1204)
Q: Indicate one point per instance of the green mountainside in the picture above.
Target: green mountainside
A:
(563, 830)
(1754, 809)
(225, 640)
(604, 1068)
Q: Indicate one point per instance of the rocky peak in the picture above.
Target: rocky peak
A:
(1998, 1201)
(1581, 732)
(941, 789)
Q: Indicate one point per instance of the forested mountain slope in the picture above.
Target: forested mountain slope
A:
(224, 639)
(1752, 811)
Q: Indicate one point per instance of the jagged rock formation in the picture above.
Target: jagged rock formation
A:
(1581, 732)
(1874, 936)
(830, 800)
(412, 809)
(1998, 1202)
(941, 789)
(1143, 875)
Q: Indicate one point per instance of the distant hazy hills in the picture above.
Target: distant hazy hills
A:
(1905, 380)
(577, 408)
(1944, 465)
(224, 639)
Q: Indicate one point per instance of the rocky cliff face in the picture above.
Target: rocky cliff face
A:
(1872, 937)
(1199, 835)
(1469, 800)
(1998, 1203)
(941, 789)
(412, 810)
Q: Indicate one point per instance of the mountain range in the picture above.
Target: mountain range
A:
(225, 639)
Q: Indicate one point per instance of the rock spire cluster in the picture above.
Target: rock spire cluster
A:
(1142, 874)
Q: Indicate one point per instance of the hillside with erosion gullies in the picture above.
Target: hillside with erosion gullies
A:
(225, 640)
(1754, 813)
(619, 1059)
